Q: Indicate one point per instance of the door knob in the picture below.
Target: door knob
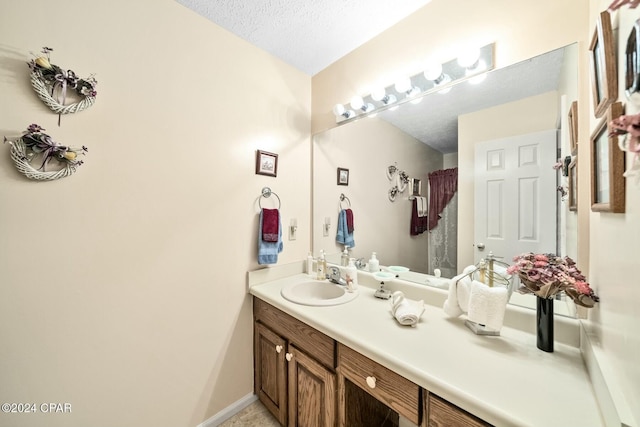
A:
(480, 246)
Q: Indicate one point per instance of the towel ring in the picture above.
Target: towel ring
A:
(266, 193)
(343, 198)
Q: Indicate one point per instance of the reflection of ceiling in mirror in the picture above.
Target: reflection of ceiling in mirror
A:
(434, 121)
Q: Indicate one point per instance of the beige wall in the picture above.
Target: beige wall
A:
(534, 114)
(123, 287)
(615, 239)
(367, 147)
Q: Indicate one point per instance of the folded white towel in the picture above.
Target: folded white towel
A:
(406, 312)
(421, 206)
(487, 304)
(457, 302)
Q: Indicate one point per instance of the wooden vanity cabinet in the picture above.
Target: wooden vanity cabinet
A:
(393, 390)
(304, 378)
(441, 413)
(294, 369)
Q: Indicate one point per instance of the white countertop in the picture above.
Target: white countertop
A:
(505, 380)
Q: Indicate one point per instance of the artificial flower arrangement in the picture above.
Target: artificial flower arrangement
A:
(629, 126)
(546, 275)
(49, 79)
(33, 144)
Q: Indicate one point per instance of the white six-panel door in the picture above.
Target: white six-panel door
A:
(515, 195)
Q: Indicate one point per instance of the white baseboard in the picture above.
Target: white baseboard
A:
(229, 411)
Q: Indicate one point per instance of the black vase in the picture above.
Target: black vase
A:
(544, 324)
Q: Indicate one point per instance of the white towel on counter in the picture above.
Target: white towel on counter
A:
(487, 304)
(458, 298)
(405, 311)
(483, 304)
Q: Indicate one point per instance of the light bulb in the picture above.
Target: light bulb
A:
(469, 57)
(340, 111)
(357, 102)
(378, 94)
(433, 71)
(403, 85)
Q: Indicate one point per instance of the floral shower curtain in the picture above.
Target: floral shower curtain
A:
(443, 221)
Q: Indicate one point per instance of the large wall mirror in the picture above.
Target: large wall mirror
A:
(528, 101)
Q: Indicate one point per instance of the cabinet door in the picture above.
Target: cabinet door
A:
(312, 392)
(270, 371)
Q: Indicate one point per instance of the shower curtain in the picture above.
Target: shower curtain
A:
(443, 221)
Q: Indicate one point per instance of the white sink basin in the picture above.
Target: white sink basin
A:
(317, 293)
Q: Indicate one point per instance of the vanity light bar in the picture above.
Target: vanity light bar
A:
(418, 86)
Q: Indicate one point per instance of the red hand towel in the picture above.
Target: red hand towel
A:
(270, 221)
(349, 214)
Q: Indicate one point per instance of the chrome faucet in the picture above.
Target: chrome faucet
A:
(334, 276)
(360, 263)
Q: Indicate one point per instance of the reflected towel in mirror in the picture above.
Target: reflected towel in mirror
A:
(343, 236)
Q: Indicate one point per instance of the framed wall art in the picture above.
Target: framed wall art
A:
(573, 185)
(573, 127)
(266, 163)
(416, 187)
(607, 167)
(604, 81)
(343, 176)
(632, 62)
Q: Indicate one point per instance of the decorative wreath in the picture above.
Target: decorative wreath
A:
(35, 144)
(52, 82)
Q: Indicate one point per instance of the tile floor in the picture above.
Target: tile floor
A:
(254, 415)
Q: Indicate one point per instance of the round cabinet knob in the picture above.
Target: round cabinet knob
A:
(278, 348)
(371, 382)
(288, 356)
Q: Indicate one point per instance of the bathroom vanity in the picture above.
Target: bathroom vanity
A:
(354, 365)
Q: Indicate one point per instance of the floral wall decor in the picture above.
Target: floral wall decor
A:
(35, 146)
(54, 84)
(629, 127)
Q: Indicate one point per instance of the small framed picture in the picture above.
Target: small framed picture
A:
(266, 163)
(632, 62)
(573, 185)
(416, 187)
(607, 167)
(573, 127)
(604, 80)
(343, 176)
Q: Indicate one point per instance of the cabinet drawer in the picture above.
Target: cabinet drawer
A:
(445, 414)
(304, 337)
(393, 390)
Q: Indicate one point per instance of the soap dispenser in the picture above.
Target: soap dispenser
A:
(351, 273)
(322, 267)
(310, 269)
(344, 258)
(374, 264)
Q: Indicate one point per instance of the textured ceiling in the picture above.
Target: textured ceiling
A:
(308, 34)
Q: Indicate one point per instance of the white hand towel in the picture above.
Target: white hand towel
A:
(422, 206)
(458, 299)
(487, 304)
(406, 312)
